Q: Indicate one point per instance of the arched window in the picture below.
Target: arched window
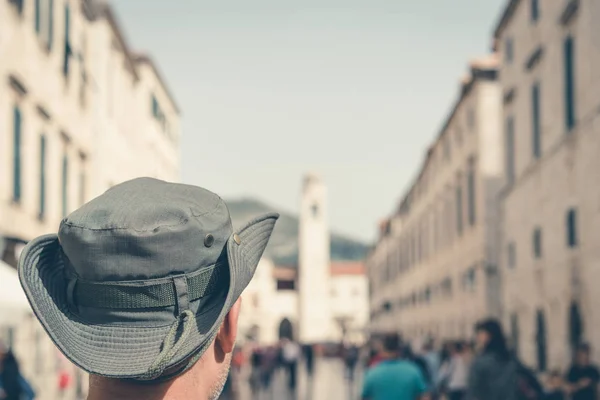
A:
(286, 330)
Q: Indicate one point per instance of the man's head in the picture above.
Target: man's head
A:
(582, 355)
(391, 344)
(141, 286)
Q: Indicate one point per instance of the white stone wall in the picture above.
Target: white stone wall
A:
(314, 312)
(96, 115)
(425, 248)
(545, 189)
(349, 302)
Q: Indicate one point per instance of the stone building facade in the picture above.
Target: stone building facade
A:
(79, 113)
(550, 259)
(434, 269)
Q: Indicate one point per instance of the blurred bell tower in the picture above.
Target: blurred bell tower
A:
(314, 263)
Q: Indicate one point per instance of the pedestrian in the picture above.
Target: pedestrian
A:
(350, 360)
(13, 386)
(494, 373)
(256, 362)
(141, 288)
(583, 376)
(555, 388)
(432, 359)
(309, 359)
(291, 355)
(393, 377)
(458, 372)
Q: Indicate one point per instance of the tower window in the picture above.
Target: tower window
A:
(315, 210)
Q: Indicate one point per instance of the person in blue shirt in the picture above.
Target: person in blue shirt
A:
(393, 377)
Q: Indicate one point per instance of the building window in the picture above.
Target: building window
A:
(18, 5)
(68, 50)
(569, 59)
(38, 16)
(510, 150)
(459, 208)
(42, 205)
(535, 10)
(508, 50)
(82, 71)
(82, 187)
(511, 255)
(314, 209)
(10, 337)
(514, 333)
(537, 243)
(572, 228)
(469, 280)
(65, 185)
(44, 19)
(285, 284)
(447, 148)
(471, 195)
(535, 116)
(155, 108)
(541, 341)
(50, 23)
(17, 150)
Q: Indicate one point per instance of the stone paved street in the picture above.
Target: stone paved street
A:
(328, 384)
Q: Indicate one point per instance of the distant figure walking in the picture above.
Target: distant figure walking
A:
(291, 355)
(350, 359)
(309, 359)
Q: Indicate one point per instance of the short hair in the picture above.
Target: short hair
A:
(459, 346)
(392, 342)
(583, 348)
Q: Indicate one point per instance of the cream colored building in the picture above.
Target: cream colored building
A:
(270, 304)
(550, 77)
(79, 112)
(317, 302)
(434, 269)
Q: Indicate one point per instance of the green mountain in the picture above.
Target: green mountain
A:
(283, 246)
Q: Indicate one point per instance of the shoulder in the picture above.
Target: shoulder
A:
(483, 362)
(372, 373)
(409, 367)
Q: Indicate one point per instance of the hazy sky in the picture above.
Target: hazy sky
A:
(271, 89)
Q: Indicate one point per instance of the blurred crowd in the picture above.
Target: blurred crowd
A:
(483, 369)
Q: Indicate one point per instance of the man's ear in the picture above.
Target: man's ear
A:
(228, 332)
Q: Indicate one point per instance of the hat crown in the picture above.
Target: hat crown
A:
(145, 229)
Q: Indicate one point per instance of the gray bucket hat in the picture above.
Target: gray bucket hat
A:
(138, 281)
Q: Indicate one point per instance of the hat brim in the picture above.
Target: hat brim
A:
(120, 351)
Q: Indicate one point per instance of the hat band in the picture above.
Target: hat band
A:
(127, 295)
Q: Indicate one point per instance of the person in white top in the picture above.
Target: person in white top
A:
(457, 372)
(291, 354)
